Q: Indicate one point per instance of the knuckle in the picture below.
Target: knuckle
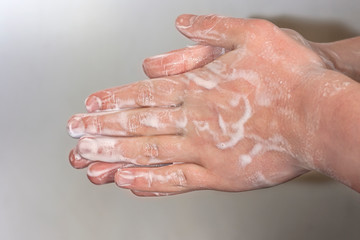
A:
(263, 24)
(178, 178)
(262, 28)
(259, 30)
(133, 122)
(145, 95)
(150, 150)
(97, 124)
(93, 124)
(143, 120)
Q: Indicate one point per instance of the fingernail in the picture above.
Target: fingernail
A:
(185, 21)
(93, 103)
(124, 178)
(76, 127)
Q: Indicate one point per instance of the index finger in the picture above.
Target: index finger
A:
(147, 93)
(181, 60)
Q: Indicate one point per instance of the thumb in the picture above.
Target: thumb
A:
(213, 30)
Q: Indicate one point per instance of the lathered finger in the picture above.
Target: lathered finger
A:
(102, 173)
(147, 93)
(167, 179)
(77, 161)
(155, 194)
(144, 151)
(181, 60)
(135, 122)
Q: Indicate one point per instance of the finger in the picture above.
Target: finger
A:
(155, 194)
(135, 122)
(137, 150)
(168, 179)
(181, 60)
(102, 173)
(77, 161)
(147, 93)
(214, 30)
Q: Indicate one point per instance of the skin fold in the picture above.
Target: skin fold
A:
(250, 106)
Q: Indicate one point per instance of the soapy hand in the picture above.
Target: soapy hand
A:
(192, 57)
(235, 119)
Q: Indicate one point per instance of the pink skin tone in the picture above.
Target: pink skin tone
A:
(180, 61)
(253, 117)
(343, 56)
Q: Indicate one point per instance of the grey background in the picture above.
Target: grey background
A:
(55, 53)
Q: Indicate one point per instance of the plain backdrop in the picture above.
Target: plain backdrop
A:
(54, 53)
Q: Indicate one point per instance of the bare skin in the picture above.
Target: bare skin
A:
(343, 56)
(255, 107)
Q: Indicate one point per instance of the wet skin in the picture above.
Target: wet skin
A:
(238, 112)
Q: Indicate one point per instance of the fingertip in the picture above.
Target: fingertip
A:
(145, 66)
(101, 173)
(214, 30)
(185, 21)
(72, 158)
(75, 126)
(94, 180)
(93, 103)
(100, 180)
(76, 161)
(87, 146)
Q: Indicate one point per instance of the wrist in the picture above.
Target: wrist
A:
(332, 128)
(329, 57)
(342, 56)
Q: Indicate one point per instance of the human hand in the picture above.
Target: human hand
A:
(235, 124)
(193, 57)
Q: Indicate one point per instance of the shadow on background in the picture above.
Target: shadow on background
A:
(316, 31)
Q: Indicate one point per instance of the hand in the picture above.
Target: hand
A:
(235, 124)
(193, 57)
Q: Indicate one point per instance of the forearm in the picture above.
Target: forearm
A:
(343, 56)
(336, 150)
